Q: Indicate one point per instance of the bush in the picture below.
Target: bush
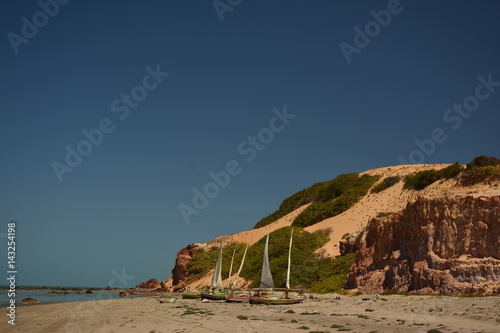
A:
(325, 232)
(478, 175)
(326, 275)
(422, 179)
(205, 261)
(319, 192)
(482, 161)
(386, 183)
(347, 194)
(452, 171)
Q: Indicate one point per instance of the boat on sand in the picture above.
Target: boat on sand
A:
(266, 283)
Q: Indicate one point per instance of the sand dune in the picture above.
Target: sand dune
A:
(393, 199)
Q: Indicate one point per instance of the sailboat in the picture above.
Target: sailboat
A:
(266, 281)
(216, 282)
(234, 296)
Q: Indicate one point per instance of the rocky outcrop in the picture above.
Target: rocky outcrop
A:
(30, 300)
(150, 284)
(129, 292)
(447, 246)
(164, 287)
(184, 257)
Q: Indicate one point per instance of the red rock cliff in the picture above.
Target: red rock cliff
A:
(184, 258)
(150, 284)
(432, 246)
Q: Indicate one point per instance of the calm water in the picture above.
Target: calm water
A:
(41, 295)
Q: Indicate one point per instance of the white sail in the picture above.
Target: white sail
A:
(239, 270)
(266, 278)
(289, 262)
(231, 268)
(217, 278)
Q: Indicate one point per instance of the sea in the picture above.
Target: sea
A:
(44, 297)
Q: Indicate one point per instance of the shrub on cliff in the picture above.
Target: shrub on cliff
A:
(422, 179)
(482, 169)
(323, 191)
(344, 193)
(204, 261)
(386, 183)
(478, 175)
(482, 161)
(329, 274)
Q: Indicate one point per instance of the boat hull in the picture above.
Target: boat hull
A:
(191, 295)
(275, 300)
(237, 299)
(213, 297)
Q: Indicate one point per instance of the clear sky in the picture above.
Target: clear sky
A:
(169, 91)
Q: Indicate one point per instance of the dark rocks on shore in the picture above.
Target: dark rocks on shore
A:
(89, 291)
(127, 293)
(30, 300)
(58, 293)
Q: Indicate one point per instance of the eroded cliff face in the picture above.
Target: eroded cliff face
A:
(447, 246)
(184, 258)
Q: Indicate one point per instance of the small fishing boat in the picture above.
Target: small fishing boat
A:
(266, 282)
(213, 294)
(276, 300)
(236, 296)
(191, 295)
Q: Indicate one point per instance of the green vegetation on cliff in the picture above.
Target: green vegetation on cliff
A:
(343, 193)
(346, 189)
(308, 268)
(386, 183)
(481, 169)
(482, 174)
(422, 179)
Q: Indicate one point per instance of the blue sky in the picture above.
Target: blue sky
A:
(117, 213)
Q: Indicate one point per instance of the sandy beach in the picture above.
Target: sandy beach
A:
(324, 313)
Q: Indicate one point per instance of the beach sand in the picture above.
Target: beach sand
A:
(395, 313)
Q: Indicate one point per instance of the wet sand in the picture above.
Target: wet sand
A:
(325, 314)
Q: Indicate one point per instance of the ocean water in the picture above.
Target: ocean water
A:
(43, 297)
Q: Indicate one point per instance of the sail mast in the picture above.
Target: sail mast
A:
(266, 278)
(217, 278)
(231, 268)
(241, 266)
(289, 262)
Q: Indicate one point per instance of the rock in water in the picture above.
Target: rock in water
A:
(30, 300)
